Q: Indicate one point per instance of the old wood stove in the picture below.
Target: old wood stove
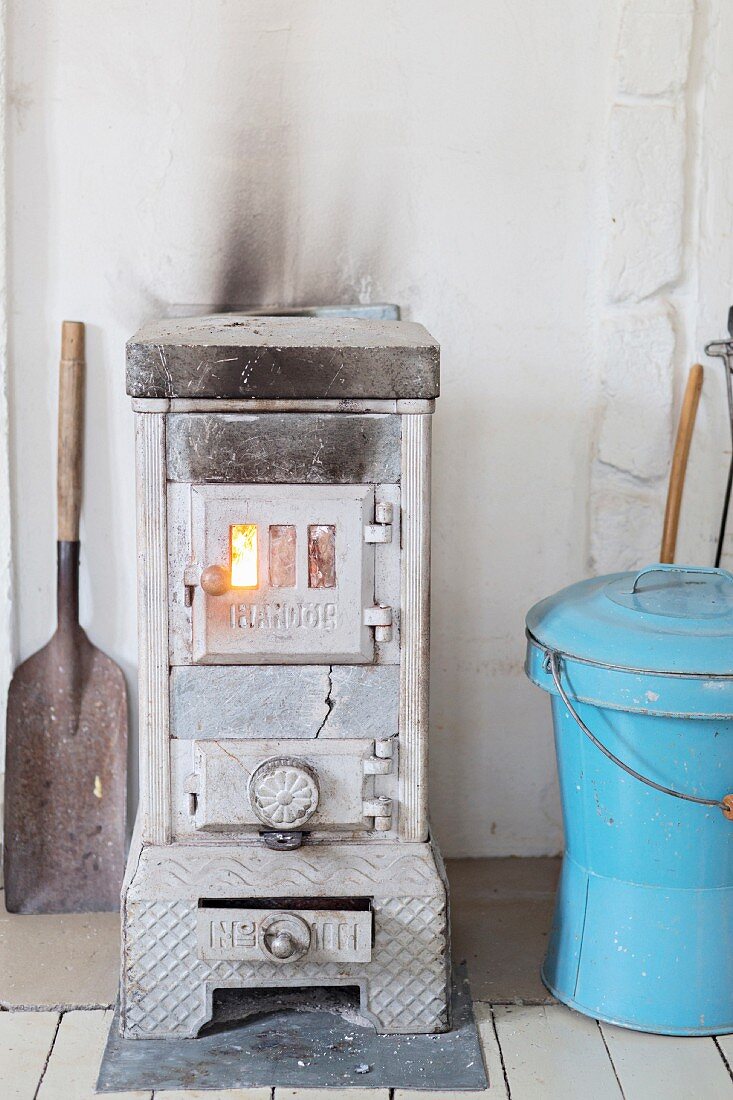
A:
(282, 841)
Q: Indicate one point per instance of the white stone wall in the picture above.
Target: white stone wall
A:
(546, 186)
(711, 264)
(645, 283)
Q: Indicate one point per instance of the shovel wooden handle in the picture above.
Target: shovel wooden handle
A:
(679, 463)
(71, 430)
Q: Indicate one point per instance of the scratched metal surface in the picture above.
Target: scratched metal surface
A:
(297, 1049)
(66, 763)
(234, 355)
(283, 448)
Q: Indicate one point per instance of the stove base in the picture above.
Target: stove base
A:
(302, 1049)
(403, 976)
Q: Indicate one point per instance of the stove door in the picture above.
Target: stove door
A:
(282, 573)
(336, 784)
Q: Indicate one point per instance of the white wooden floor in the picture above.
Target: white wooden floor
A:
(533, 1051)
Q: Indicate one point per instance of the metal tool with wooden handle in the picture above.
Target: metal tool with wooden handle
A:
(66, 761)
(679, 463)
(72, 370)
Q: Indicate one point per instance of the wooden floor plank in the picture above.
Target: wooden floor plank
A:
(551, 1053)
(25, 1043)
(663, 1067)
(725, 1042)
(492, 1054)
(214, 1094)
(331, 1094)
(74, 1063)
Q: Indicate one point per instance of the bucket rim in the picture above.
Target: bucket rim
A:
(608, 667)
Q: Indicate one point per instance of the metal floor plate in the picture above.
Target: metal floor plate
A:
(315, 1049)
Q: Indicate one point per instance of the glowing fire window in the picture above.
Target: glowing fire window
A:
(243, 538)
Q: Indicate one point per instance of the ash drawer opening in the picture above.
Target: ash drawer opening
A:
(231, 1006)
(359, 905)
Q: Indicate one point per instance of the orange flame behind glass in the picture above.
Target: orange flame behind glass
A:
(244, 555)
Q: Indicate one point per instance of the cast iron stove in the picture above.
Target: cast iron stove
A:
(283, 477)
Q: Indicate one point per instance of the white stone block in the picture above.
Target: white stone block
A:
(364, 699)
(646, 151)
(240, 701)
(626, 523)
(654, 46)
(215, 701)
(638, 391)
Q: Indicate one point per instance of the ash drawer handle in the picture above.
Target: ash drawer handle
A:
(552, 665)
(663, 568)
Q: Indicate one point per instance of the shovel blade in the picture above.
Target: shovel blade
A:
(66, 780)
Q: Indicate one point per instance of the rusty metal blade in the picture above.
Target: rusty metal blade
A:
(66, 769)
(66, 759)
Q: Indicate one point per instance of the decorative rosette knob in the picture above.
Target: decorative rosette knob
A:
(284, 793)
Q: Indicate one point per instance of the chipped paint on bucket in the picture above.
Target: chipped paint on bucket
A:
(644, 914)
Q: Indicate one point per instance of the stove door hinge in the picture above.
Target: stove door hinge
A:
(381, 762)
(191, 581)
(380, 617)
(381, 810)
(381, 529)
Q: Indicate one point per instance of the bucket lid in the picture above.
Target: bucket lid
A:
(666, 618)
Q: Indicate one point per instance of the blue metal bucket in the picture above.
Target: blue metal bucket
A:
(640, 670)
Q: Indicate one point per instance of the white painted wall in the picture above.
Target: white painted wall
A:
(7, 621)
(7, 631)
(458, 159)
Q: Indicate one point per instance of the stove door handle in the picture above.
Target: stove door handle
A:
(214, 580)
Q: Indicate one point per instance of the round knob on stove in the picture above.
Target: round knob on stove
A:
(282, 945)
(284, 937)
(215, 580)
(284, 793)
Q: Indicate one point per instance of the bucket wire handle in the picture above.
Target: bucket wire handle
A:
(552, 663)
(663, 567)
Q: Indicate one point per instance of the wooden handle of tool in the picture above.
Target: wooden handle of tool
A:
(679, 463)
(71, 429)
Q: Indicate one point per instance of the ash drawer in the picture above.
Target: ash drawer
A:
(241, 785)
(284, 935)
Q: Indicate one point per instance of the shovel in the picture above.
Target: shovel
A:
(65, 776)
